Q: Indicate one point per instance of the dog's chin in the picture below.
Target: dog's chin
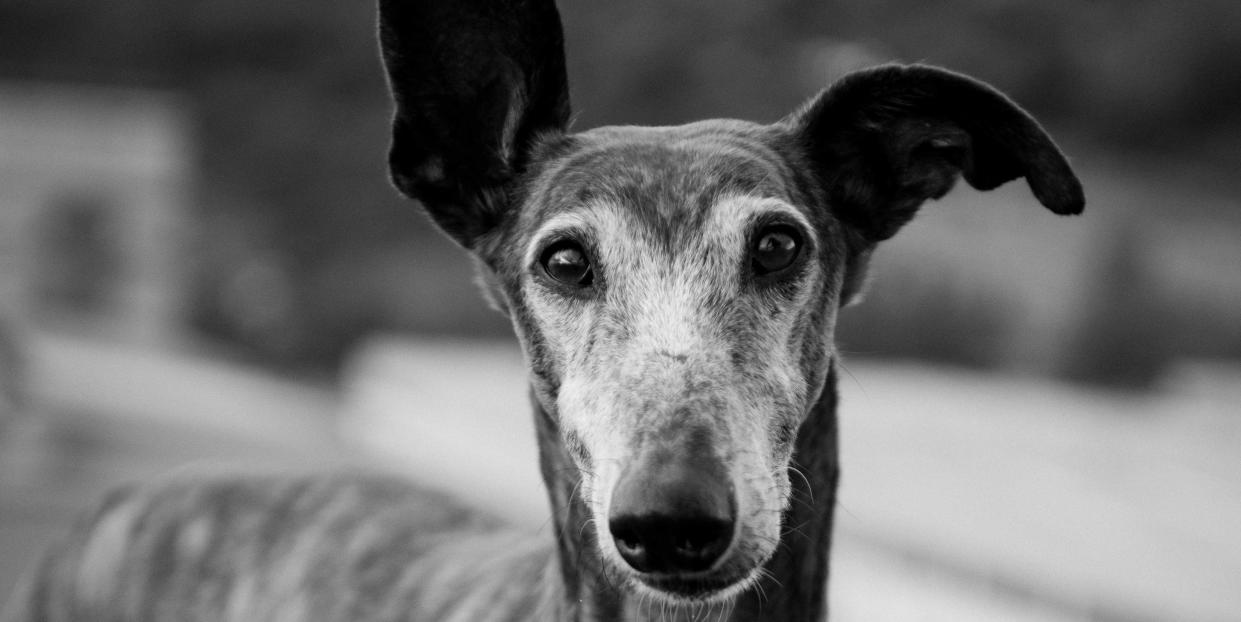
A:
(693, 590)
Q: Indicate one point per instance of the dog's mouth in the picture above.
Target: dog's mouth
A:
(702, 589)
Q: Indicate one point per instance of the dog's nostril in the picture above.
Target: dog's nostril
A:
(696, 544)
(631, 548)
(626, 538)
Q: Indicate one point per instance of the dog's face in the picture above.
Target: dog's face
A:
(675, 289)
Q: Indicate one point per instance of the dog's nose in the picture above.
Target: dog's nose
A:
(673, 514)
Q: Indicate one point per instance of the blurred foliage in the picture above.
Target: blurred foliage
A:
(292, 112)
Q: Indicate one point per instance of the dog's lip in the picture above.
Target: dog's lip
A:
(695, 587)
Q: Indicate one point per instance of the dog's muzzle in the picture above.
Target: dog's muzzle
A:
(673, 514)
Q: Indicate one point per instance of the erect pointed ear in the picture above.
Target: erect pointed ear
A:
(475, 82)
(885, 140)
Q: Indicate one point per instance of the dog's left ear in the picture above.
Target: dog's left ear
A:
(884, 140)
(475, 82)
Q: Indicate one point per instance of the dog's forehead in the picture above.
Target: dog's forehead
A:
(666, 177)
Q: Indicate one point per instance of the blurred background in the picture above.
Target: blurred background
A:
(201, 259)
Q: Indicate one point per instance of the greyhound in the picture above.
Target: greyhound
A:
(675, 292)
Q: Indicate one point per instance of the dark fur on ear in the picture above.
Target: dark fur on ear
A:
(885, 140)
(475, 82)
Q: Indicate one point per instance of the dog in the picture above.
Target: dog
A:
(675, 292)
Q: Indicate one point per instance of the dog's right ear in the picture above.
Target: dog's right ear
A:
(882, 141)
(475, 82)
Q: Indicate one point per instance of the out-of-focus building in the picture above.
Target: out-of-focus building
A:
(93, 199)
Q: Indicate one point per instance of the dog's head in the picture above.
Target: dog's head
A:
(675, 289)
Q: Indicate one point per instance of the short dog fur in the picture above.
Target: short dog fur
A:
(675, 292)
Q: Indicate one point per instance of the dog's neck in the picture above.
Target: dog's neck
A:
(794, 586)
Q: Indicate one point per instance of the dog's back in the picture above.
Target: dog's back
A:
(343, 547)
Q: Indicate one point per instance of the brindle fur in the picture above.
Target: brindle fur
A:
(678, 345)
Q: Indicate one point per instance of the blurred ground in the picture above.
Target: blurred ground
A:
(105, 414)
(966, 497)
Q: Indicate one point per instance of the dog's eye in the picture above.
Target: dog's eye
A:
(775, 248)
(566, 262)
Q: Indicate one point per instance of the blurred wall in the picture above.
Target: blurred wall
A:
(93, 208)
